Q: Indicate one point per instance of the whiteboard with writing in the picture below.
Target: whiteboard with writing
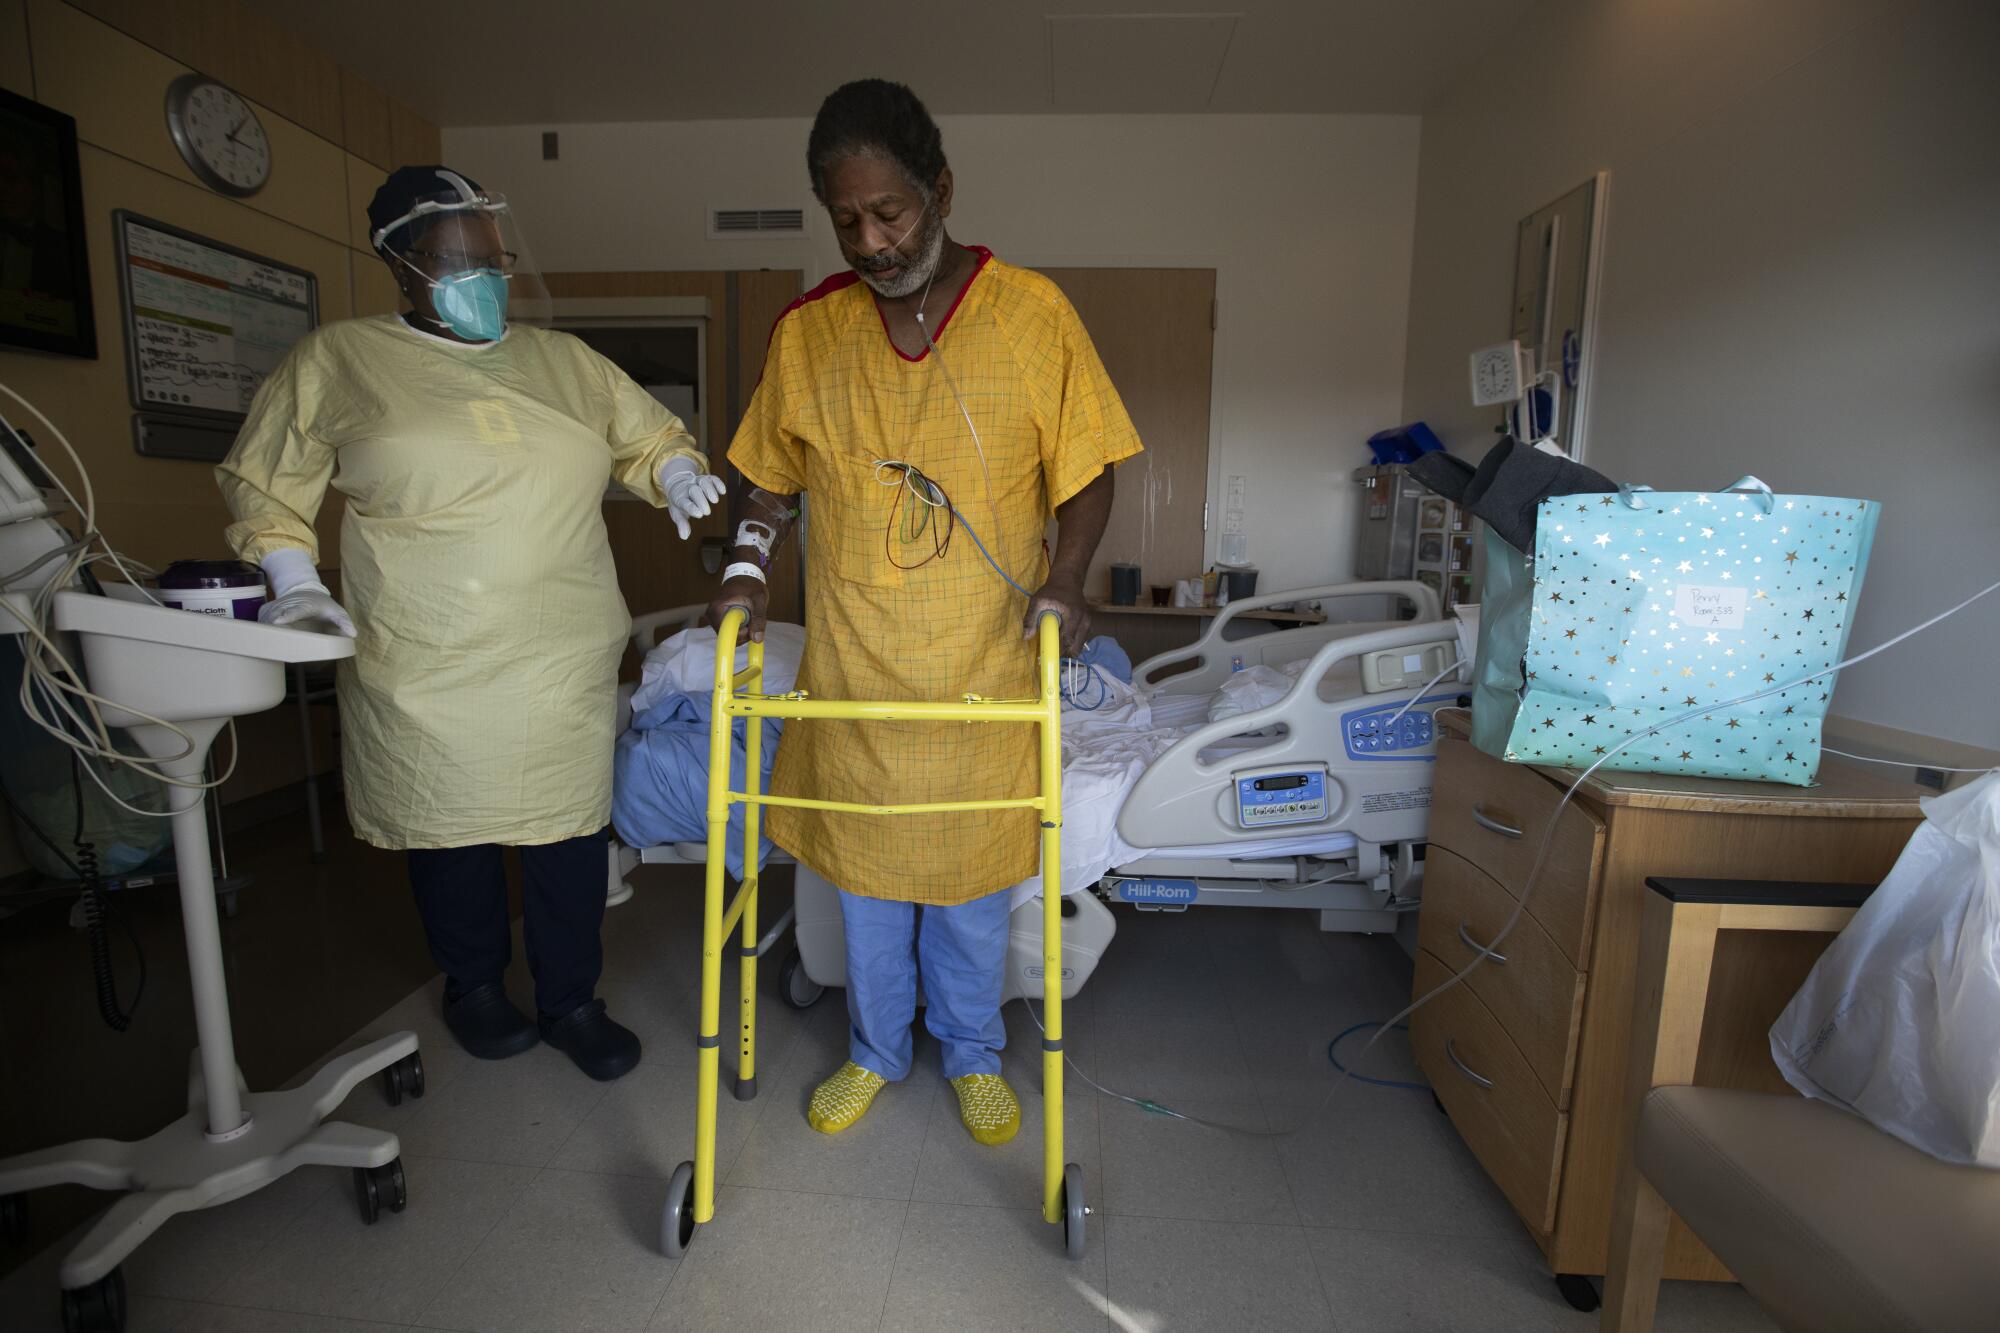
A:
(205, 322)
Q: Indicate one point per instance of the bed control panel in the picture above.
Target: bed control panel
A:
(1378, 733)
(1271, 797)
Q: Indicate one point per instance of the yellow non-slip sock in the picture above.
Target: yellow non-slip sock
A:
(843, 1098)
(988, 1107)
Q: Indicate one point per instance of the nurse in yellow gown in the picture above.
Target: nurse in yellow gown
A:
(477, 712)
(855, 379)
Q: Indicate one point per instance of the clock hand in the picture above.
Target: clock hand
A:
(231, 136)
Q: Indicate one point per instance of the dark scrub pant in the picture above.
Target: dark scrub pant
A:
(462, 896)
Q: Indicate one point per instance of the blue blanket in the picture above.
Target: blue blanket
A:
(659, 788)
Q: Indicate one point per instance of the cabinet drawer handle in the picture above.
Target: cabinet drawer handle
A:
(1492, 825)
(1478, 948)
(1451, 1054)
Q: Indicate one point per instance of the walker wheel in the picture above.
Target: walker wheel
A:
(404, 1076)
(368, 1195)
(677, 1218)
(800, 991)
(97, 1308)
(14, 1219)
(1073, 1210)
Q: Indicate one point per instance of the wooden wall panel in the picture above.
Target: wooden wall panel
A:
(364, 120)
(1152, 327)
(381, 130)
(413, 141)
(240, 46)
(17, 70)
(363, 179)
(761, 296)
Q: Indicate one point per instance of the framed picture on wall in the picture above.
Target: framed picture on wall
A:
(44, 261)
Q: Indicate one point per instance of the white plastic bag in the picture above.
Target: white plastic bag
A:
(1899, 1021)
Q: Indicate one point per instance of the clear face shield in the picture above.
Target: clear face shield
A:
(465, 266)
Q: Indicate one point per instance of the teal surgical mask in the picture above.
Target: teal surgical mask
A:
(472, 303)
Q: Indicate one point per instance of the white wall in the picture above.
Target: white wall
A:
(1307, 220)
(1801, 280)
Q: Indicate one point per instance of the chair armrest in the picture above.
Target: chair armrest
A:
(1711, 905)
(1760, 892)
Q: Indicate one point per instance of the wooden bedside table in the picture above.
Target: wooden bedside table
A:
(1528, 1057)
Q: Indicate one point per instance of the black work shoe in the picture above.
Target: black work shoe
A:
(486, 1022)
(601, 1047)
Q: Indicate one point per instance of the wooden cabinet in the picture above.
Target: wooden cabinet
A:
(1529, 1054)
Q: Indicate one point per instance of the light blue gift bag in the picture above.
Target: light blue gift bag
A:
(1650, 604)
(1505, 613)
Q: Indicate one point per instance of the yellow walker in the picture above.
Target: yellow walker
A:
(691, 1191)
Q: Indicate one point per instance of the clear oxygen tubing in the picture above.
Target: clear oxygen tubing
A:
(978, 444)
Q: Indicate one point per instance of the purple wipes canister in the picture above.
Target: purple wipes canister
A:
(213, 588)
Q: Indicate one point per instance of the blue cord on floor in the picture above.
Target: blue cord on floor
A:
(1363, 1078)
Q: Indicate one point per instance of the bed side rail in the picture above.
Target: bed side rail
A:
(1212, 659)
(1174, 800)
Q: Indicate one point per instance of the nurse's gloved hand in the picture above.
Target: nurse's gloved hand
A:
(305, 603)
(297, 595)
(691, 493)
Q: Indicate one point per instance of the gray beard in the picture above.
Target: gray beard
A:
(917, 273)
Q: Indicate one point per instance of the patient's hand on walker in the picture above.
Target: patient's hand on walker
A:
(1066, 600)
(750, 594)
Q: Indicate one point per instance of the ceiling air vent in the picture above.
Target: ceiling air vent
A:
(725, 223)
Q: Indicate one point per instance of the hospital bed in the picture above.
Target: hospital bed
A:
(1318, 800)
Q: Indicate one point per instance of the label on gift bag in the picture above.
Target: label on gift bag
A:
(1711, 608)
(1649, 606)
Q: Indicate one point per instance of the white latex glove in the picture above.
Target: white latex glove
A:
(691, 493)
(297, 595)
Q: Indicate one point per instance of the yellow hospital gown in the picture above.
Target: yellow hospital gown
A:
(480, 702)
(836, 397)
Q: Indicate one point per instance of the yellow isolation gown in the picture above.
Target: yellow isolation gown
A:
(480, 702)
(836, 398)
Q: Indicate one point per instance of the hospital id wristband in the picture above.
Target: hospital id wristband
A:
(743, 569)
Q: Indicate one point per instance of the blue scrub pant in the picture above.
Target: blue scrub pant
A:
(961, 954)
